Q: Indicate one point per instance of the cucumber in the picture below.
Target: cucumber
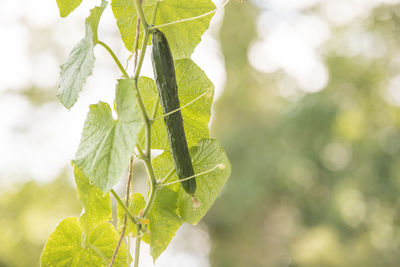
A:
(164, 73)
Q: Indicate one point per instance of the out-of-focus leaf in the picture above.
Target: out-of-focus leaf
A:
(80, 62)
(67, 6)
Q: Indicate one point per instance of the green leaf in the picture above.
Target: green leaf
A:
(80, 62)
(192, 82)
(106, 144)
(172, 203)
(164, 221)
(67, 6)
(94, 18)
(205, 156)
(76, 69)
(97, 205)
(62, 244)
(183, 37)
(67, 246)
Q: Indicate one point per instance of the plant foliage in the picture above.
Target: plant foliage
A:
(108, 143)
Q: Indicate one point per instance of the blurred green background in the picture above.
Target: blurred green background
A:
(316, 176)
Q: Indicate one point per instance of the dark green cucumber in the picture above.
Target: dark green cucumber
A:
(164, 73)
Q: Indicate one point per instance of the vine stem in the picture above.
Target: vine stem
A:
(137, 246)
(114, 57)
(135, 47)
(141, 15)
(145, 156)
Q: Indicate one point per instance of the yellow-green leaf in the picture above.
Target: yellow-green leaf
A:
(183, 37)
(136, 205)
(96, 204)
(68, 246)
(67, 6)
(207, 155)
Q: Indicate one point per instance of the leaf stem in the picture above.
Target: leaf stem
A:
(153, 188)
(136, 46)
(137, 246)
(142, 54)
(124, 207)
(121, 68)
(141, 15)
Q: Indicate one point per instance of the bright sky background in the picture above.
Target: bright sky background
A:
(38, 141)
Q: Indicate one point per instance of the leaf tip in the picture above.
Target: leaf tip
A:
(67, 105)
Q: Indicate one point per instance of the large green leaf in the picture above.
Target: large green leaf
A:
(182, 37)
(80, 62)
(192, 83)
(96, 204)
(106, 144)
(67, 6)
(208, 154)
(68, 246)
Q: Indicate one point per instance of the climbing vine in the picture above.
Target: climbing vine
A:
(109, 144)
